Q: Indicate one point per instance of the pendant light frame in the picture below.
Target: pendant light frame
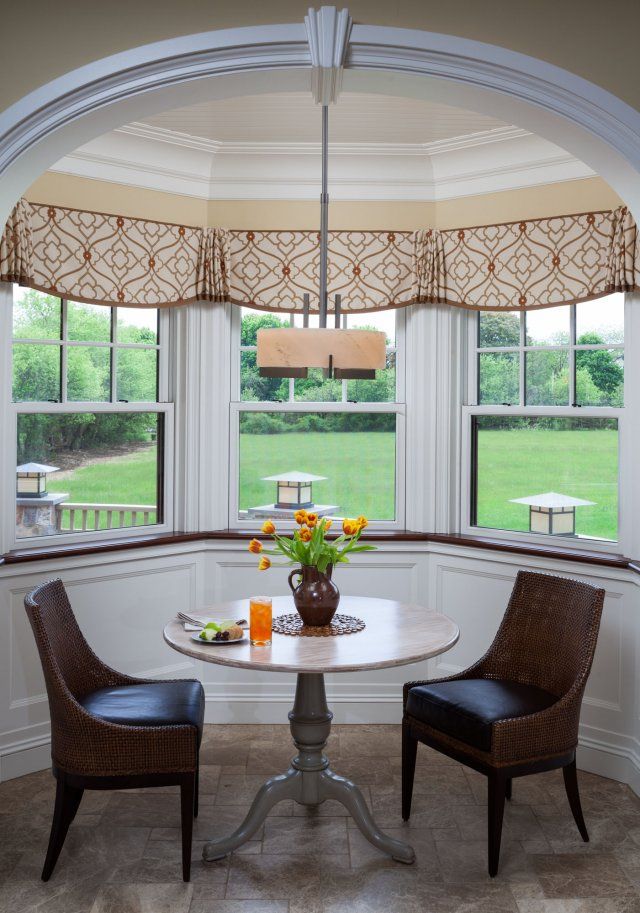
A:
(342, 354)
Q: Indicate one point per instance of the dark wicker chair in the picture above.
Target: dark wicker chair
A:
(108, 730)
(516, 711)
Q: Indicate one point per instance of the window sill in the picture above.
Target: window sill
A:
(52, 552)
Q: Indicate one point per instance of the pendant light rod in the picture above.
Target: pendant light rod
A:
(324, 217)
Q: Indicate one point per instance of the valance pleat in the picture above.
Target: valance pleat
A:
(110, 259)
(16, 248)
(429, 274)
(624, 253)
(213, 265)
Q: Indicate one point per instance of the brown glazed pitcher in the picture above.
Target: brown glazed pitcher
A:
(316, 597)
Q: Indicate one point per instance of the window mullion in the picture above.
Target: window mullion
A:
(523, 359)
(113, 360)
(572, 357)
(63, 352)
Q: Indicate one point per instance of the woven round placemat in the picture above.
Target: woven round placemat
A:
(293, 624)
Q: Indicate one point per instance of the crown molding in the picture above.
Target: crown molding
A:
(218, 147)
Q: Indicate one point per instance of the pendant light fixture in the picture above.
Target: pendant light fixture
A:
(342, 353)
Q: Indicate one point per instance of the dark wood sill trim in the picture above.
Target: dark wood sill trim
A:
(52, 552)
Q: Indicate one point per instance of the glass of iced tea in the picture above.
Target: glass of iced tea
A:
(260, 619)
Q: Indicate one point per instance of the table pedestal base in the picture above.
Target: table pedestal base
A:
(309, 780)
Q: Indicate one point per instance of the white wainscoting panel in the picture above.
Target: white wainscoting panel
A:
(123, 599)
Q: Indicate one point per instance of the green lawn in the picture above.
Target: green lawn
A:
(360, 473)
(360, 469)
(525, 461)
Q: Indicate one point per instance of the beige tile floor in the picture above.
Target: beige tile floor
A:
(123, 851)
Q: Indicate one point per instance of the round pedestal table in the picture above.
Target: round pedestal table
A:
(395, 635)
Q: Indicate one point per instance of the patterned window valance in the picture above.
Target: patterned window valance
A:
(110, 259)
(530, 264)
(371, 270)
(117, 260)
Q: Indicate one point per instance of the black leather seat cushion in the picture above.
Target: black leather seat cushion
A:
(467, 709)
(155, 704)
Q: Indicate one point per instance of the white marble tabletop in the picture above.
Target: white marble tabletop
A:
(396, 634)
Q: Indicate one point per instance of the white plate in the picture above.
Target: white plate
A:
(217, 643)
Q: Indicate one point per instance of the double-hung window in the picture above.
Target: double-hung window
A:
(349, 434)
(542, 436)
(89, 419)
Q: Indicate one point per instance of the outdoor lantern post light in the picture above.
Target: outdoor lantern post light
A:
(31, 480)
(551, 513)
(294, 489)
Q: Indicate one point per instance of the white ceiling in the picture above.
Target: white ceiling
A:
(294, 118)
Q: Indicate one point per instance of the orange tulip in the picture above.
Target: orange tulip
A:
(268, 527)
(312, 519)
(362, 522)
(264, 564)
(305, 534)
(350, 527)
(300, 517)
(327, 524)
(255, 546)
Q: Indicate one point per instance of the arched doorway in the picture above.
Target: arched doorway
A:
(586, 120)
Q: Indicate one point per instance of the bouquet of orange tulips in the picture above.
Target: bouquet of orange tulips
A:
(308, 545)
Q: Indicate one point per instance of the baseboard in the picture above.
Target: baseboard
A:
(618, 760)
(25, 757)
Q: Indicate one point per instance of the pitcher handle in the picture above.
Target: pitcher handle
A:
(295, 572)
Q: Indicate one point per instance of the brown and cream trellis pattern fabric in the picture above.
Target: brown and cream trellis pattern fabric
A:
(529, 264)
(272, 270)
(16, 247)
(116, 260)
(110, 259)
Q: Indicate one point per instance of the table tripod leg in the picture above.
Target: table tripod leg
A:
(344, 791)
(309, 780)
(283, 786)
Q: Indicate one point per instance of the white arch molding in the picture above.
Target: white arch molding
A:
(583, 118)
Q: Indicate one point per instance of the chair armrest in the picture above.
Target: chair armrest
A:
(547, 732)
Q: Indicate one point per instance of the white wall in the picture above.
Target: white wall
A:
(122, 601)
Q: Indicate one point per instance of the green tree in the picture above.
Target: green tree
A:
(497, 330)
(605, 371)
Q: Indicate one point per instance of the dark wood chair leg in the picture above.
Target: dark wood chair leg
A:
(508, 788)
(497, 792)
(409, 750)
(67, 801)
(196, 795)
(187, 797)
(573, 795)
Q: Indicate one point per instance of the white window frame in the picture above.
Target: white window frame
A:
(625, 443)
(238, 406)
(9, 419)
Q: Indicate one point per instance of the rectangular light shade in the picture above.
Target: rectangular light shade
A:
(31, 484)
(294, 495)
(553, 521)
(305, 347)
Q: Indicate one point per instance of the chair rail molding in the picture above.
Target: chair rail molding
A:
(59, 116)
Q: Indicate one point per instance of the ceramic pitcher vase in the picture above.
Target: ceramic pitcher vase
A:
(316, 596)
